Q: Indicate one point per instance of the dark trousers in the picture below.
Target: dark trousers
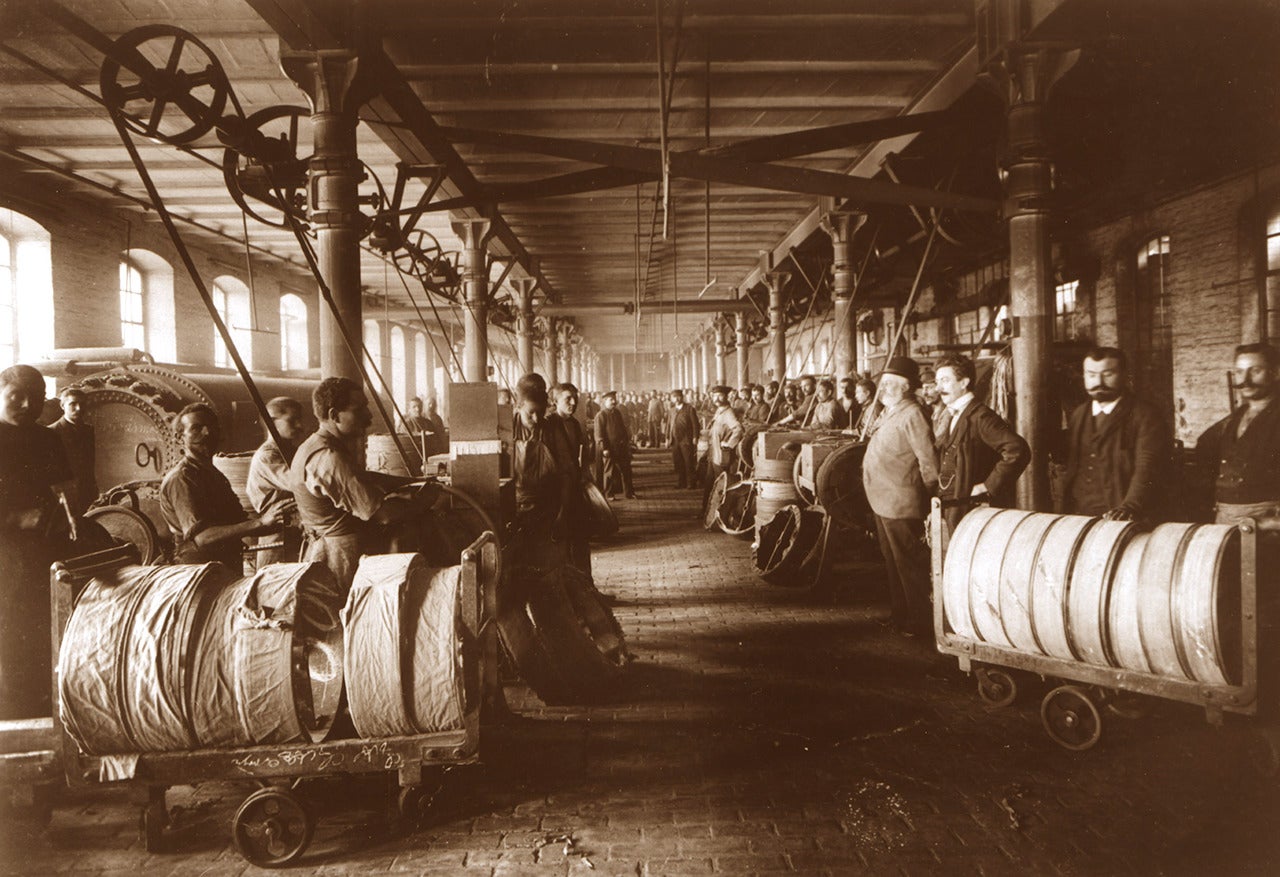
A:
(713, 472)
(615, 471)
(655, 433)
(906, 559)
(684, 457)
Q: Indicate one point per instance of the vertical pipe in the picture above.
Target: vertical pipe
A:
(475, 278)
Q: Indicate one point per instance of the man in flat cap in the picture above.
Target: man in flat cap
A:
(899, 474)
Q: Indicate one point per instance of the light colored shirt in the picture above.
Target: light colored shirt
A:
(1105, 407)
(330, 490)
(268, 482)
(956, 408)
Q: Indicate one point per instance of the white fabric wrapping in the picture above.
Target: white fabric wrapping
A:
(402, 648)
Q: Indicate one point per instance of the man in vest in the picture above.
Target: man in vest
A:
(979, 454)
(340, 505)
(1117, 446)
(1243, 449)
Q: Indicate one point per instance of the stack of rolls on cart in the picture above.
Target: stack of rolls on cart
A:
(1099, 602)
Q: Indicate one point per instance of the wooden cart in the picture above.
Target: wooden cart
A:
(1070, 710)
(274, 825)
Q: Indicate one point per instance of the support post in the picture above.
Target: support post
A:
(1023, 77)
(720, 351)
(842, 225)
(554, 375)
(777, 283)
(332, 80)
(742, 348)
(475, 279)
(524, 287)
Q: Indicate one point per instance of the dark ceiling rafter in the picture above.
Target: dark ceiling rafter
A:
(693, 165)
(396, 109)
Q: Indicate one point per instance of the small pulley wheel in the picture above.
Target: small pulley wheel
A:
(997, 688)
(164, 84)
(1070, 718)
(419, 253)
(263, 168)
(272, 828)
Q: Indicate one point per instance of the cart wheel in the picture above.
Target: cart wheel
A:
(996, 687)
(1264, 751)
(412, 803)
(272, 828)
(1070, 718)
(153, 819)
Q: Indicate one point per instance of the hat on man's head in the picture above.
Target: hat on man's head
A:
(610, 394)
(904, 367)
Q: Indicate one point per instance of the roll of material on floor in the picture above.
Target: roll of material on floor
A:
(171, 658)
(404, 647)
(564, 640)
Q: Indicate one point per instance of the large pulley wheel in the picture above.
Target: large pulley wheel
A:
(164, 84)
(262, 167)
(997, 688)
(1070, 718)
(272, 828)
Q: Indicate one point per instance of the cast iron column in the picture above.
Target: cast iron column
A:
(1023, 78)
(720, 352)
(842, 226)
(743, 349)
(331, 79)
(777, 283)
(524, 288)
(475, 279)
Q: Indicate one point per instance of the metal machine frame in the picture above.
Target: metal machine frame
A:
(975, 656)
(272, 827)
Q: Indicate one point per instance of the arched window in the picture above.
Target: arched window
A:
(147, 318)
(26, 289)
(373, 346)
(231, 297)
(399, 368)
(133, 313)
(421, 379)
(294, 348)
(1154, 323)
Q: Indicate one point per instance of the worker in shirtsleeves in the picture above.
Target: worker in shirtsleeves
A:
(344, 509)
(201, 510)
(267, 484)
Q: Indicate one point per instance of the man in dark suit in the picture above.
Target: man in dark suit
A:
(1117, 446)
(613, 449)
(78, 441)
(1243, 449)
(682, 438)
(979, 454)
(899, 473)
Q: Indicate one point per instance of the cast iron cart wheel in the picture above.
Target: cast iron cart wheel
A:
(272, 828)
(996, 687)
(1070, 718)
(174, 99)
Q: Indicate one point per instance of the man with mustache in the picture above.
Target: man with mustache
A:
(1117, 446)
(1243, 449)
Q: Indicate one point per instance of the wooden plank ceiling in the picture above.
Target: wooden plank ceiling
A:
(584, 70)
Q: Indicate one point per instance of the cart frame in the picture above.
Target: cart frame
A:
(405, 756)
(1216, 699)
